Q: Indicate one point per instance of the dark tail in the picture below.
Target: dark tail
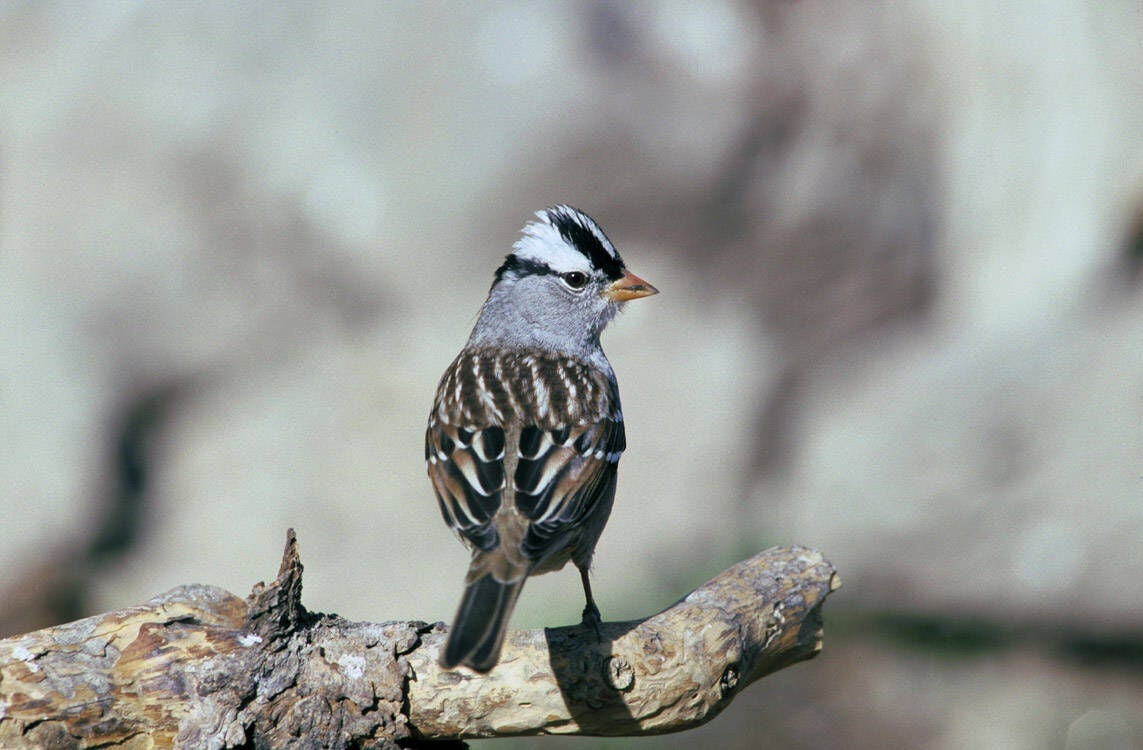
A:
(478, 631)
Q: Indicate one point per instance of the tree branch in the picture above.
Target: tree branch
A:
(199, 667)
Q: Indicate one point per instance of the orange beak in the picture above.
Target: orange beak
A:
(629, 287)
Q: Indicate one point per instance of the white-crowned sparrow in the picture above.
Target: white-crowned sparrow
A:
(526, 430)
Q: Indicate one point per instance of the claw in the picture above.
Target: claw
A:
(592, 619)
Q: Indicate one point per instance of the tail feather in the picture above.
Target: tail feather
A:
(481, 621)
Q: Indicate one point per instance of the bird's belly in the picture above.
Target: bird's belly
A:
(554, 562)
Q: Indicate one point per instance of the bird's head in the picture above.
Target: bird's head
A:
(562, 284)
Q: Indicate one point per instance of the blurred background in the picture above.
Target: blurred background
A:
(899, 246)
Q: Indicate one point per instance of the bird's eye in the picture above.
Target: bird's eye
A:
(575, 279)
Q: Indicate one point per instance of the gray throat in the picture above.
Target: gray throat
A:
(502, 324)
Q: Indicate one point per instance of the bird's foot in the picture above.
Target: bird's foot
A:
(592, 619)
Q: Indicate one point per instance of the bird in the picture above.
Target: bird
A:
(526, 429)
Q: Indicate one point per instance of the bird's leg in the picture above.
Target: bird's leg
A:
(590, 611)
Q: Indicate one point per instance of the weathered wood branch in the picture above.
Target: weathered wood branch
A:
(199, 667)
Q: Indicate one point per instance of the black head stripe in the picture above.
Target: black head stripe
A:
(521, 267)
(573, 227)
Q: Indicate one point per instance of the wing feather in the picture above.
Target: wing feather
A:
(469, 484)
(588, 463)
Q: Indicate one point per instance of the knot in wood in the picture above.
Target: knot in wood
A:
(620, 674)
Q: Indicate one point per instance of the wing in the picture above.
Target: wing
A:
(467, 471)
(562, 476)
(464, 445)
